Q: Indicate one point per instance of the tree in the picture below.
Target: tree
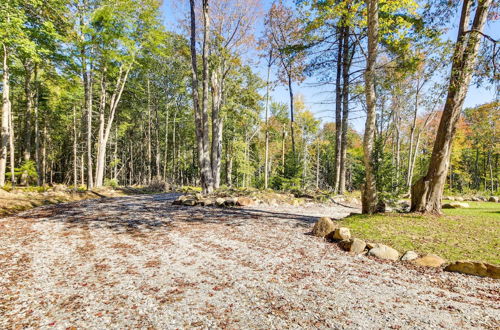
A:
(284, 35)
(426, 192)
(369, 193)
(14, 40)
(201, 112)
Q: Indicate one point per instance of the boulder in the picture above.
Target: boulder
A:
(198, 196)
(382, 251)
(370, 245)
(324, 227)
(474, 268)
(459, 199)
(180, 200)
(342, 233)
(455, 205)
(493, 199)
(189, 202)
(231, 201)
(207, 202)
(220, 201)
(475, 199)
(244, 201)
(409, 255)
(354, 245)
(430, 260)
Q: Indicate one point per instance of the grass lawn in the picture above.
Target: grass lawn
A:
(461, 234)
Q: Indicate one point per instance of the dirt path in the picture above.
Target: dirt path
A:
(139, 262)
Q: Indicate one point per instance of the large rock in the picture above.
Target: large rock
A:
(382, 251)
(324, 227)
(244, 201)
(459, 199)
(220, 201)
(455, 205)
(474, 268)
(493, 199)
(430, 260)
(409, 255)
(231, 201)
(180, 200)
(354, 245)
(189, 202)
(207, 202)
(342, 233)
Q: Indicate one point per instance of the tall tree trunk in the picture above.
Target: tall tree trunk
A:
(113, 104)
(411, 156)
(369, 193)
(87, 85)
(266, 157)
(82, 169)
(148, 137)
(5, 116)
(427, 192)
(165, 155)
(12, 149)
(28, 67)
(283, 136)
(398, 143)
(37, 133)
(217, 89)
(317, 166)
(157, 145)
(201, 113)
(44, 153)
(75, 155)
(292, 121)
(346, 64)
(338, 111)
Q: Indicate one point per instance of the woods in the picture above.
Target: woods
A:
(106, 93)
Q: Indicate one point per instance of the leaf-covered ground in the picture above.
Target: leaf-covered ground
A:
(138, 261)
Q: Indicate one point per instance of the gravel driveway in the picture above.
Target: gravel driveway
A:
(139, 262)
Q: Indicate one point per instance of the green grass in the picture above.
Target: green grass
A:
(460, 234)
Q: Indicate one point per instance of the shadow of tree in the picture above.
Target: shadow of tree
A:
(146, 213)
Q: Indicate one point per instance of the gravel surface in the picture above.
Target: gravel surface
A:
(139, 262)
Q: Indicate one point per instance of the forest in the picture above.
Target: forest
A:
(112, 93)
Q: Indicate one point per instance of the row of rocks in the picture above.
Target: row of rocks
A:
(493, 199)
(199, 199)
(326, 228)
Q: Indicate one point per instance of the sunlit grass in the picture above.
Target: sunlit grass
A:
(469, 233)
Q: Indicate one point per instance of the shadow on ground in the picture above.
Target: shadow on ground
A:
(145, 213)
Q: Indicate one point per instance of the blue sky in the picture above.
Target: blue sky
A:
(316, 97)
